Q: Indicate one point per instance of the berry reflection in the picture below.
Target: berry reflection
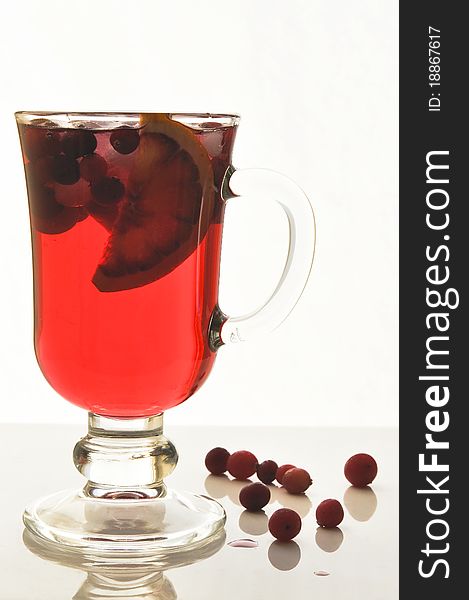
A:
(361, 503)
(284, 556)
(330, 539)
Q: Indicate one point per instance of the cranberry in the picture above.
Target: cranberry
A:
(242, 464)
(254, 496)
(285, 524)
(216, 460)
(77, 143)
(329, 513)
(75, 195)
(38, 142)
(39, 172)
(361, 469)
(266, 471)
(296, 481)
(107, 190)
(281, 472)
(61, 222)
(65, 170)
(93, 167)
(124, 140)
(43, 203)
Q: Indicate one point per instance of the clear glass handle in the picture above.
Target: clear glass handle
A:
(301, 222)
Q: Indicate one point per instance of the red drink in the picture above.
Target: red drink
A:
(126, 230)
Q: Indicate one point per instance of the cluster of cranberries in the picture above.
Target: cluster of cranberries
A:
(285, 524)
(243, 464)
(63, 157)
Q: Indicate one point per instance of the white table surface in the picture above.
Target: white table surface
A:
(361, 558)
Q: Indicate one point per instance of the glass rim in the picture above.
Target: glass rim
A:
(113, 119)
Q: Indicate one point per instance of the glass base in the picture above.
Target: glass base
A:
(159, 526)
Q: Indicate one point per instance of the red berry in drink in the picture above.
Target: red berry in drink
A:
(285, 524)
(77, 143)
(93, 167)
(43, 203)
(360, 469)
(48, 216)
(39, 172)
(65, 170)
(76, 195)
(62, 222)
(50, 143)
(266, 471)
(254, 496)
(242, 464)
(329, 513)
(38, 142)
(216, 460)
(296, 481)
(281, 472)
(124, 140)
(108, 190)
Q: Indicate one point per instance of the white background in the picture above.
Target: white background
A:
(316, 84)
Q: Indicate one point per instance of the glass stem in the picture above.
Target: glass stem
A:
(125, 458)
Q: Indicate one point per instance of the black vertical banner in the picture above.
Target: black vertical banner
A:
(434, 259)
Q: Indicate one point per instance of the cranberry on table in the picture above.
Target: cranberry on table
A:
(65, 170)
(329, 513)
(361, 469)
(77, 143)
(216, 460)
(242, 464)
(282, 470)
(124, 140)
(296, 481)
(285, 524)
(254, 496)
(266, 471)
(107, 191)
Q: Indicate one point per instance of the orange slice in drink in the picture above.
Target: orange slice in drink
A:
(167, 209)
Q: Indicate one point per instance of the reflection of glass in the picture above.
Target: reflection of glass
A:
(153, 586)
(126, 215)
(329, 539)
(111, 576)
(254, 523)
(284, 556)
(360, 502)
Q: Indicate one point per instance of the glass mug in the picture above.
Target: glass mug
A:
(126, 215)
